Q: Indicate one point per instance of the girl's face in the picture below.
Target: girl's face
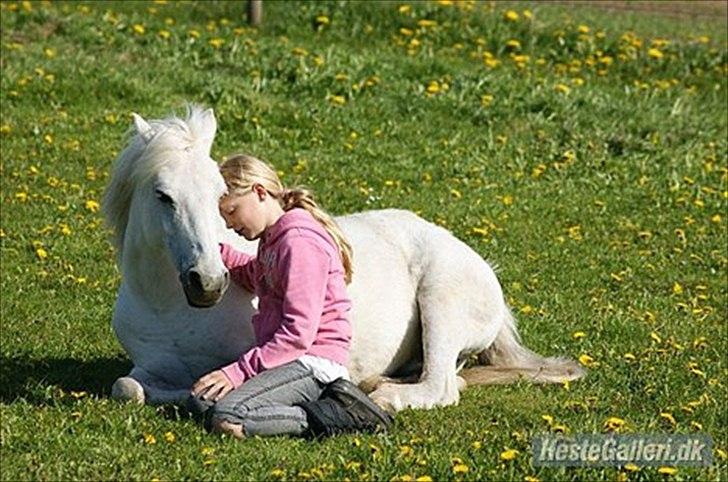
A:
(247, 213)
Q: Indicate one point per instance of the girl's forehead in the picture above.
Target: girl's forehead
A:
(229, 198)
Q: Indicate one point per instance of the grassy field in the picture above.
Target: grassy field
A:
(582, 152)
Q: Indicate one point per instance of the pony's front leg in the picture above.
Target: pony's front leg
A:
(141, 387)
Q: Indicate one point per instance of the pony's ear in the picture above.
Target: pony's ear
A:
(142, 127)
(208, 127)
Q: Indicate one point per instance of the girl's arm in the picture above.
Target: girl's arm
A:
(304, 269)
(240, 265)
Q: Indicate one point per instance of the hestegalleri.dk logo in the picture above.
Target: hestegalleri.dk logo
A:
(596, 450)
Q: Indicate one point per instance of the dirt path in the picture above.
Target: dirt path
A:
(703, 9)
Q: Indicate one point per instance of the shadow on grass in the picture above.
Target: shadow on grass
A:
(36, 380)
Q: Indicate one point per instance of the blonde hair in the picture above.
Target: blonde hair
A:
(241, 172)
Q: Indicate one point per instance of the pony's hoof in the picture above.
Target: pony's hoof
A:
(128, 389)
(462, 384)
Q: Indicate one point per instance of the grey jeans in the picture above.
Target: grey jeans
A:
(265, 404)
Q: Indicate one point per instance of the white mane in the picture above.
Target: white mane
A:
(143, 157)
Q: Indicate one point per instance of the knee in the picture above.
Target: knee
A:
(227, 409)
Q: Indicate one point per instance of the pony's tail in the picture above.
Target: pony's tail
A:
(507, 361)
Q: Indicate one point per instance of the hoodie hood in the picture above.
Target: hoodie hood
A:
(296, 218)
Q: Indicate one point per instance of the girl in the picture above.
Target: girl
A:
(302, 327)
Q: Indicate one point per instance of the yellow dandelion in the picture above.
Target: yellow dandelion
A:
(693, 367)
(404, 8)
(216, 42)
(486, 100)
(5, 129)
(513, 44)
(667, 470)
(48, 139)
(655, 337)
(456, 194)
(41, 253)
(538, 170)
(629, 356)
(278, 473)
(614, 423)
(193, 33)
(169, 437)
(299, 52)
(511, 16)
(322, 20)
(149, 439)
(352, 466)
(509, 454)
(92, 206)
(668, 416)
(406, 32)
(21, 196)
(337, 99)
(433, 87)
(562, 88)
(586, 360)
(677, 288)
(138, 29)
(578, 335)
(164, 34)
(423, 478)
(630, 467)
(530, 478)
(584, 29)
(654, 53)
(507, 200)
(406, 451)
(460, 469)
(425, 23)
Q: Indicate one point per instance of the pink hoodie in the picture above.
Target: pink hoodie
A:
(303, 304)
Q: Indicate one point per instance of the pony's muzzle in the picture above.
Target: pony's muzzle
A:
(201, 290)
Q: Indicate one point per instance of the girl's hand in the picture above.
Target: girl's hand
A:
(212, 386)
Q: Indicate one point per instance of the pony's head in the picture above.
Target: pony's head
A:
(162, 198)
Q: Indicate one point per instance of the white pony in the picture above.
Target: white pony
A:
(422, 299)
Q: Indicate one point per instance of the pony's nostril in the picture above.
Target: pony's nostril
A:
(195, 279)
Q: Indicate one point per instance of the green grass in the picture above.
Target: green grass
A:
(604, 204)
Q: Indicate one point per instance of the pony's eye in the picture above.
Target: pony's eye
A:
(164, 197)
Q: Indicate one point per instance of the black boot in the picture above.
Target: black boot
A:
(343, 408)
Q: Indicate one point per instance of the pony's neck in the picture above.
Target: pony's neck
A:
(151, 276)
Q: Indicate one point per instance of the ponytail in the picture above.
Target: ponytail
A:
(303, 198)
